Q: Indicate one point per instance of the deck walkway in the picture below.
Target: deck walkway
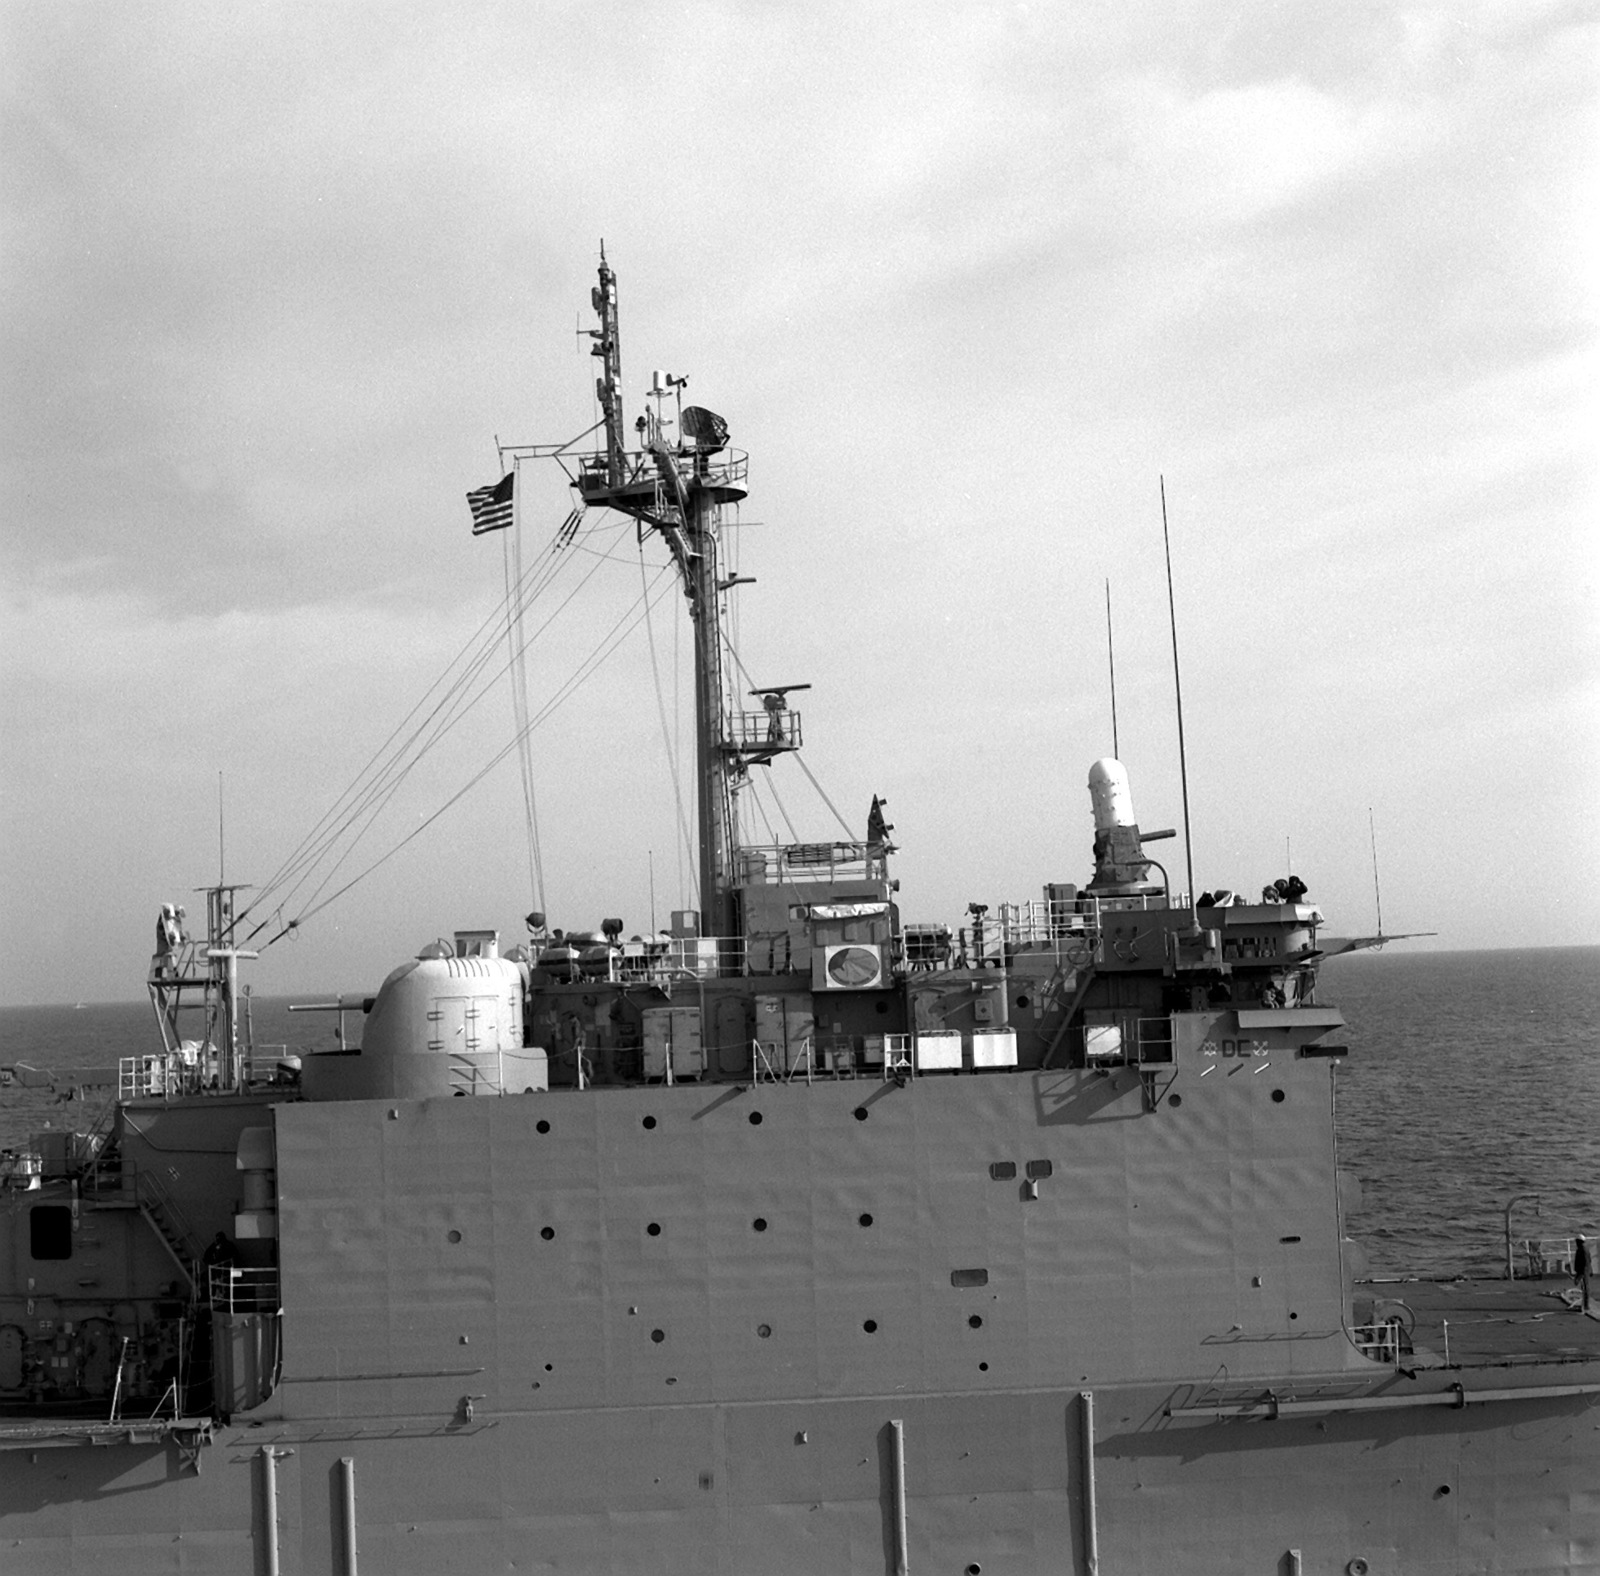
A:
(1493, 1323)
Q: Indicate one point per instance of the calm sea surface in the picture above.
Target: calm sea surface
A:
(1472, 1076)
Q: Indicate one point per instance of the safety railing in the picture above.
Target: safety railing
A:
(163, 1075)
(753, 731)
(1070, 928)
(236, 1288)
(1385, 1341)
(789, 864)
(729, 469)
(1547, 1256)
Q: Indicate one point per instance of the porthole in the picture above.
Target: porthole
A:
(452, 1236)
(865, 1220)
(548, 1233)
(870, 1326)
(861, 1113)
(653, 1229)
(983, 1368)
(1174, 1100)
(1277, 1097)
(648, 1123)
(764, 1330)
(759, 1223)
(541, 1127)
(755, 1119)
(1038, 1169)
(1003, 1170)
(975, 1321)
(658, 1336)
(1022, 1001)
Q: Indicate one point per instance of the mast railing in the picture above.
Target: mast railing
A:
(731, 468)
(747, 731)
(786, 864)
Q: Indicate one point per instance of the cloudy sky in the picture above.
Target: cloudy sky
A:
(965, 280)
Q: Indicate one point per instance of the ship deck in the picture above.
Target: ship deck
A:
(1495, 1323)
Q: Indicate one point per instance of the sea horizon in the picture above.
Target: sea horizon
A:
(1366, 954)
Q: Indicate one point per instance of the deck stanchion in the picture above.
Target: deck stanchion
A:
(1090, 1520)
(347, 1513)
(1091, 1526)
(269, 1510)
(897, 1447)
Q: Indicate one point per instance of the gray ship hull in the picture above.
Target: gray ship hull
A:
(854, 1342)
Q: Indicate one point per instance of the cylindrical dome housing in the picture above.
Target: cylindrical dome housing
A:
(1112, 797)
(439, 1025)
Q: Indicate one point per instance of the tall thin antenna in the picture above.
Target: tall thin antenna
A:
(1177, 685)
(1111, 660)
(222, 844)
(1377, 895)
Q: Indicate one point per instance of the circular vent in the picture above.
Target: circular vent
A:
(853, 966)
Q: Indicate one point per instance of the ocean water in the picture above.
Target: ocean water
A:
(1472, 1077)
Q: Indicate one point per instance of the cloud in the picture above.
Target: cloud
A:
(965, 284)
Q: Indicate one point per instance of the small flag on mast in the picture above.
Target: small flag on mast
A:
(491, 506)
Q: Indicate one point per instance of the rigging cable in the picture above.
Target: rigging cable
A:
(386, 761)
(799, 761)
(772, 788)
(512, 558)
(811, 778)
(377, 783)
(591, 665)
(377, 795)
(677, 746)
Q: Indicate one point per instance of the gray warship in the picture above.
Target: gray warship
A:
(796, 1238)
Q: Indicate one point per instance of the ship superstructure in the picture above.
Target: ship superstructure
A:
(800, 1237)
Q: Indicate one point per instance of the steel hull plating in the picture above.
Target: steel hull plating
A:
(994, 1481)
(717, 1327)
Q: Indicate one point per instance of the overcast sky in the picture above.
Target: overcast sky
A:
(966, 281)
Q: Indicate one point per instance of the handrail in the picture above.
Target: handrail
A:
(236, 1288)
(1547, 1255)
(154, 1197)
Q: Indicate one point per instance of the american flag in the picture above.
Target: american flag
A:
(491, 505)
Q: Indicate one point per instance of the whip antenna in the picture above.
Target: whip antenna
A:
(1177, 685)
(1377, 895)
(1111, 661)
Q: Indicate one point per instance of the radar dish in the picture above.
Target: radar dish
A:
(703, 429)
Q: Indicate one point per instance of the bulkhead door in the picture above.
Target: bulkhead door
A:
(733, 1035)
